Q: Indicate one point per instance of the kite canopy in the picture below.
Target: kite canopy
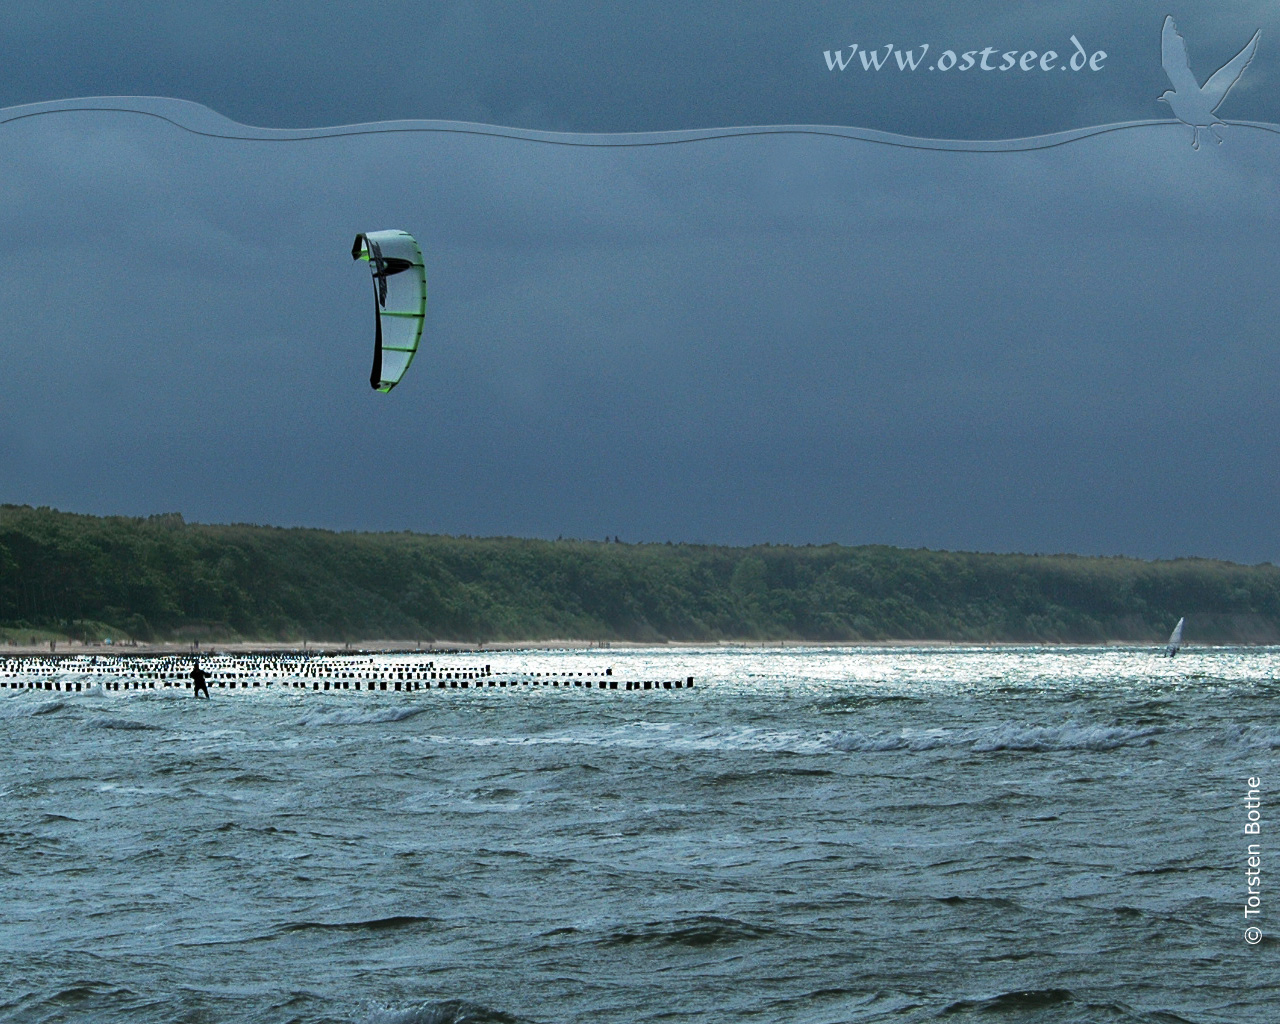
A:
(399, 301)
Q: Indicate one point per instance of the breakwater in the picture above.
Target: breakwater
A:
(305, 673)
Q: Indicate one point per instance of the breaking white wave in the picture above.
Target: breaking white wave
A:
(1006, 736)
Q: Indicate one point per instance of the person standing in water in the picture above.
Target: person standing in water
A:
(199, 676)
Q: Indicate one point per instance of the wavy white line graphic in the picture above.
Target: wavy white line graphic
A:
(203, 121)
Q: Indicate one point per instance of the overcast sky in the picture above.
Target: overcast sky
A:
(781, 338)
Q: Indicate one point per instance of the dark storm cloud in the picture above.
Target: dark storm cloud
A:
(785, 339)
(624, 67)
(775, 339)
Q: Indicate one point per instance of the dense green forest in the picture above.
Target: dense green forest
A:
(161, 577)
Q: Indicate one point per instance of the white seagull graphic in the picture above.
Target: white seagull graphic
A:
(1194, 104)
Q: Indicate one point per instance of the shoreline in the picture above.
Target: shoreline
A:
(71, 649)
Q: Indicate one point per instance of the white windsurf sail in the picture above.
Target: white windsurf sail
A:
(1175, 638)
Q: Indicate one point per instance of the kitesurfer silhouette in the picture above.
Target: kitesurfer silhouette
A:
(199, 676)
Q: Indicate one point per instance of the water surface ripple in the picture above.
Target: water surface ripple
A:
(815, 835)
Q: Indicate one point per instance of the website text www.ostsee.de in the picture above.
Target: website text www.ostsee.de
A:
(990, 58)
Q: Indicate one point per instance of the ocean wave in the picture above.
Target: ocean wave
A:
(494, 793)
(994, 902)
(1014, 1002)
(353, 717)
(84, 991)
(700, 931)
(377, 924)
(1007, 736)
(859, 704)
(452, 1011)
(583, 766)
(1055, 1004)
(1252, 736)
(851, 741)
(24, 705)
(251, 779)
(638, 736)
(125, 724)
(1065, 737)
(737, 778)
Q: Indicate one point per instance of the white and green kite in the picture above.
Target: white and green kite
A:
(399, 301)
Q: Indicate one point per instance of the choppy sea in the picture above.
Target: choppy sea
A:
(813, 835)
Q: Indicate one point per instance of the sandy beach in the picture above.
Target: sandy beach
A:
(262, 647)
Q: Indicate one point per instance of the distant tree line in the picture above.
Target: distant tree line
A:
(161, 577)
